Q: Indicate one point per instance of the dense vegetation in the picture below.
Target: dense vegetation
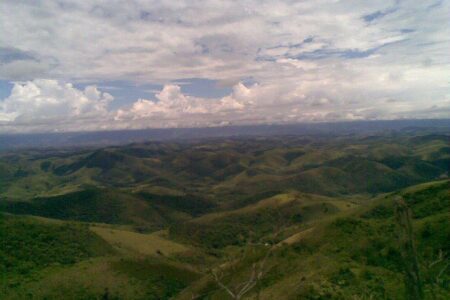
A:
(163, 280)
(158, 220)
(29, 246)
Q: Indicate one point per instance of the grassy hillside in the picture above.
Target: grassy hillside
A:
(28, 246)
(47, 259)
(138, 243)
(90, 205)
(353, 255)
(236, 227)
(143, 210)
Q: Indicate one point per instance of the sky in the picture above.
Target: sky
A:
(104, 65)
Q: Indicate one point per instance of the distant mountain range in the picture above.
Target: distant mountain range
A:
(120, 137)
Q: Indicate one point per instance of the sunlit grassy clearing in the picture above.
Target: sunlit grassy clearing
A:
(132, 242)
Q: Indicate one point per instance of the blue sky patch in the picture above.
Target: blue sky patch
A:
(378, 14)
(8, 54)
(204, 88)
(125, 93)
(5, 89)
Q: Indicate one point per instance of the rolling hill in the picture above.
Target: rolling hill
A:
(155, 220)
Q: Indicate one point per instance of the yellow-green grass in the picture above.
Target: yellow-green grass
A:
(387, 197)
(44, 184)
(158, 190)
(418, 187)
(296, 237)
(271, 159)
(279, 201)
(59, 282)
(274, 201)
(313, 273)
(425, 150)
(315, 157)
(244, 180)
(318, 269)
(388, 150)
(59, 221)
(128, 242)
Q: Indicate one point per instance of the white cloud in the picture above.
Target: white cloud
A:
(171, 103)
(183, 110)
(49, 104)
(312, 60)
(158, 41)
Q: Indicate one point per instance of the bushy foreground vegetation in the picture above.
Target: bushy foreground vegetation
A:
(357, 255)
(28, 246)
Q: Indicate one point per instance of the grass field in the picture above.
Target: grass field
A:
(129, 242)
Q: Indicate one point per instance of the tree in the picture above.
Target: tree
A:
(258, 268)
(239, 289)
(413, 280)
(434, 274)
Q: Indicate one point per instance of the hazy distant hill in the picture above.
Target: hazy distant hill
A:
(118, 137)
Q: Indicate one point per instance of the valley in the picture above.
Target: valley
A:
(159, 220)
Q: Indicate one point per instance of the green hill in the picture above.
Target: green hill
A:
(354, 254)
(157, 220)
(28, 246)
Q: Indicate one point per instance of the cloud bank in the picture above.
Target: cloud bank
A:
(47, 105)
(284, 61)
